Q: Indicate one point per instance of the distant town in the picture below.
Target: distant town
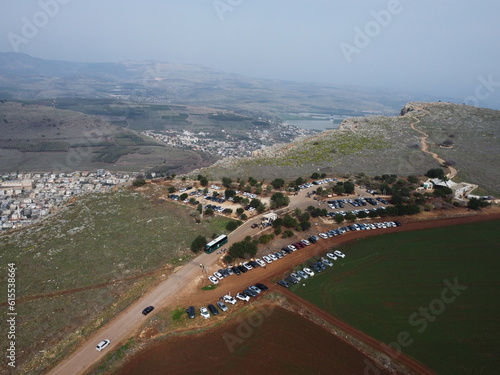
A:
(28, 197)
(230, 145)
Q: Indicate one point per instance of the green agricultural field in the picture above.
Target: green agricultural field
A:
(81, 267)
(396, 287)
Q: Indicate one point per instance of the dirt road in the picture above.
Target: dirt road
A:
(183, 289)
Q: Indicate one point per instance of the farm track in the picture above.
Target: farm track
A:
(425, 148)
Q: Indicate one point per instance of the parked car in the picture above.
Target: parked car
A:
(236, 270)
(247, 266)
(283, 283)
(295, 276)
(291, 280)
(218, 275)
(213, 309)
(243, 297)
(250, 293)
(305, 242)
(327, 262)
(308, 271)
(191, 312)
(213, 279)
(291, 247)
(242, 269)
(273, 257)
(302, 274)
(229, 299)
(222, 306)
(331, 256)
(204, 312)
(261, 286)
(339, 253)
(254, 264)
(254, 225)
(323, 235)
(255, 289)
(102, 345)
(278, 254)
(260, 262)
(267, 259)
(147, 310)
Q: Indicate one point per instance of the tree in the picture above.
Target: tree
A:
(183, 196)
(362, 214)
(339, 218)
(252, 181)
(476, 204)
(372, 214)
(339, 189)
(198, 244)
(287, 233)
(228, 193)
(171, 189)
(315, 176)
(299, 181)
(255, 203)
(350, 216)
(139, 182)
(279, 200)
(413, 179)
(278, 222)
(278, 183)
(239, 210)
(435, 173)
(209, 211)
(243, 249)
(349, 187)
(232, 225)
(226, 182)
(243, 217)
(289, 221)
(204, 181)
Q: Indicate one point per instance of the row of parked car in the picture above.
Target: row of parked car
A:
(318, 182)
(251, 292)
(316, 267)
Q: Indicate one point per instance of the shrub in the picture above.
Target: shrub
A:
(198, 244)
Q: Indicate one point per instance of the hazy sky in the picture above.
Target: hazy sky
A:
(439, 47)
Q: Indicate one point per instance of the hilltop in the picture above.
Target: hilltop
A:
(465, 136)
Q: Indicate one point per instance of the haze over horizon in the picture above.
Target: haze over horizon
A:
(448, 50)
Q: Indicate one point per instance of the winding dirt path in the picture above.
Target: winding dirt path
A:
(425, 148)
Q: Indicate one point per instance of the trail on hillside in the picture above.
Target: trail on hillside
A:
(425, 148)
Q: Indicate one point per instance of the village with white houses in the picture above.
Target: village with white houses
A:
(28, 197)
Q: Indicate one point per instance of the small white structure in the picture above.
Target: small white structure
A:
(270, 217)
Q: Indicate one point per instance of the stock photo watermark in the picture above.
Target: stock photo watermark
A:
(420, 319)
(485, 88)
(224, 6)
(364, 36)
(11, 315)
(31, 26)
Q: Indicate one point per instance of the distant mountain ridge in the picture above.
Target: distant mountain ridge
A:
(26, 77)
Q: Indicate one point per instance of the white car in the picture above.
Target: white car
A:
(243, 297)
(247, 266)
(308, 271)
(295, 276)
(260, 262)
(229, 299)
(204, 312)
(102, 345)
(213, 279)
(305, 242)
(291, 247)
(273, 257)
(222, 306)
(218, 275)
(323, 235)
(267, 259)
(331, 256)
(339, 253)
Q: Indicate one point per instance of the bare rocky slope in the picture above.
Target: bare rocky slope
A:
(381, 144)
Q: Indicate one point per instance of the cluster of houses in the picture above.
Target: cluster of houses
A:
(225, 145)
(27, 197)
